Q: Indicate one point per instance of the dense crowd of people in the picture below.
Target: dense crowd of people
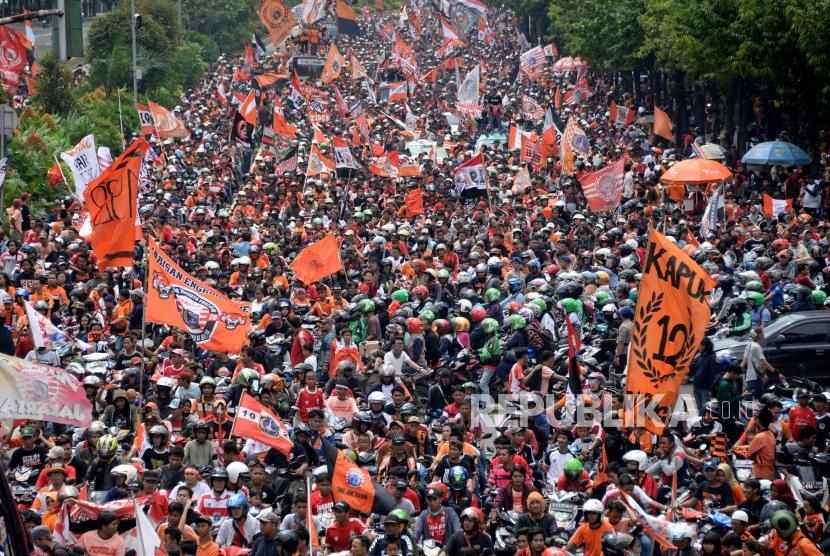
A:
(385, 359)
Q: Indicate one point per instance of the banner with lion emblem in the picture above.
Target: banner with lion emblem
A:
(178, 299)
(277, 19)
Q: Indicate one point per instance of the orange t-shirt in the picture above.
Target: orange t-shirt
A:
(762, 451)
(96, 546)
(591, 539)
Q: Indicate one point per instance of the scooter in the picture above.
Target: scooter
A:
(505, 531)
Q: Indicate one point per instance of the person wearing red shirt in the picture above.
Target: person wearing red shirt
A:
(321, 500)
(301, 337)
(310, 397)
(801, 415)
(339, 534)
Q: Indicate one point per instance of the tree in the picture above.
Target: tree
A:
(229, 22)
(53, 87)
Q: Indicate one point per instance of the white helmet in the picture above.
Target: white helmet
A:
(740, 515)
(593, 505)
(464, 306)
(92, 380)
(127, 470)
(637, 456)
(377, 397)
(609, 308)
(682, 531)
(236, 469)
(212, 265)
(165, 382)
(245, 260)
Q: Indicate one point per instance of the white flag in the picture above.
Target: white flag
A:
(469, 91)
(343, 155)
(4, 167)
(44, 332)
(83, 161)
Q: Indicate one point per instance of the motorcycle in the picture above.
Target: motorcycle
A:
(566, 509)
(504, 542)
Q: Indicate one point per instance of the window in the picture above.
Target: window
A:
(808, 333)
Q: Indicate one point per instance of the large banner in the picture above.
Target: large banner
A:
(603, 188)
(83, 161)
(277, 19)
(29, 390)
(178, 299)
(14, 57)
(257, 422)
(670, 321)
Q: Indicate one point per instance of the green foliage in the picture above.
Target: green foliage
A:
(229, 22)
(210, 50)
(114, 71)
(53, 87)
(187, 65)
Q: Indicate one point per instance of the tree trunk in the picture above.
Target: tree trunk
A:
(679, 95)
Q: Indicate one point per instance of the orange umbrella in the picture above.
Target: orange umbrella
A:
(696, 170)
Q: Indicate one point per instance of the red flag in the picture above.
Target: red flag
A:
(281, 127)
(342, 109)
(318, 260)
(257, 422)
(621, 115)
(249, 56)
(663, 125)
(603, 188)
(248, 108)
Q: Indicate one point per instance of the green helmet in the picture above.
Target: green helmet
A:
(784, 522)
(756, 298)
(541, 304)
(246, 376)
(819, 297)
(358, 215)
(401, 296)
(316, 222)
(443, 273)
(573, 469)
(492, 295)
(602, 296)
(489, 326)
(427, 314)
(403, 515)
(517, 322)
(367, 306)
(207, 381)
(569, 305)
(632, 294)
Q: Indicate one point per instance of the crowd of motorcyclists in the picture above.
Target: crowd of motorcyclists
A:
(387, 358)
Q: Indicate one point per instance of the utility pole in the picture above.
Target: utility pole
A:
(132, 26)
(180, 16)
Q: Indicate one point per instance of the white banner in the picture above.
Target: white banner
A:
(83, 161)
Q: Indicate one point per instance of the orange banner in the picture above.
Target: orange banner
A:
(334, 65)
(277, 18)
(167, 124)
(350, 483)
(176, 298)
(318, 260)
(670, 321)
(414, 203)
(111, 200)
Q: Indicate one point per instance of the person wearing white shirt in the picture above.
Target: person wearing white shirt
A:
(559, 457)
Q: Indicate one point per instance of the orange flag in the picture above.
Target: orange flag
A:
(334, 65)
(55, 175)
(663, 125)
(414, 203)
(248, 109)
(670, 321)
(318, 260)
(111, 200)
(178, 299)
(557, 99)
(281, 127)
(167, 124)
(277, 19)
(356, 69)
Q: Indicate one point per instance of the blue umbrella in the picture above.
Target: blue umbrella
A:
(776, 152)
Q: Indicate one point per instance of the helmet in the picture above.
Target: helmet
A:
(414, 326)
(569, 305)
(784, 522)
(543, 306)
(442, 326)
(626, 311)
(207, 381)
(201, 425)
(420, 291)
(235, 469)
(219, 473)
(602, 296)
(419, 265)
(637, 456)
(377, 397)
(409, 409)
(427, 314)
(367, 306)
(106, 447)
(819, 297)
(238, 500)
(489, 326)
(461, 324)
(473, 513)
(739, 305)
(444, 273)
(770, 509)
(602, 277)
(69, 492)
(615, 544)
(573, 469)
(401, 296)
(754, 286)
(682, 531)
(592, 505)
(756, 298)
(514, 285)
(478, 313)
(517, 322)
(92, 380)
(165, 382)
(128, 471)
(363, 416)
(288, 540)
(246, 376)
(492, 295)
(463, 306)
(513, 307)
(741, 515)
(458, 477)
(159, 430)
(403, 515)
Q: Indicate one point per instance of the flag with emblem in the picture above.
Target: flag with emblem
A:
(318, 260)
(531, 110)
(621, 115)
(318, 163)
(352, 484)
(603, 188)
(145, 118)
(257, 422)
(333, 66)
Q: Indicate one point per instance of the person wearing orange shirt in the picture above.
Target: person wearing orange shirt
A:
(205, 546)
(589, 534)
(119, 321)
(54, 290)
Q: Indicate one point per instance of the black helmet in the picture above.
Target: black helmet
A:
(739, 305)
(219, 473)
(363, 417)
(409, 408)
(769, 400)
(615, 544)
(288, 541)
(770, 509)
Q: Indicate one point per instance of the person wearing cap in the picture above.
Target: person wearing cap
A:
(30, 454)
(48, 494)
(105, 540)
(802, 415)
(822, 421)
(44, 541)
(437, 522)
(740, 523)
(205, 545)
(712, 491)
(340, 533)
(391, 532)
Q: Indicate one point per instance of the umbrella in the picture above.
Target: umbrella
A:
(569, 64)
(696, 170)
(712, 151)
(776, 152)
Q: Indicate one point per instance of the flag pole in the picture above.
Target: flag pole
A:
(309, 516)
(121, 120)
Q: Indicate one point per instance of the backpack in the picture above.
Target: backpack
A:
(540, 338)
